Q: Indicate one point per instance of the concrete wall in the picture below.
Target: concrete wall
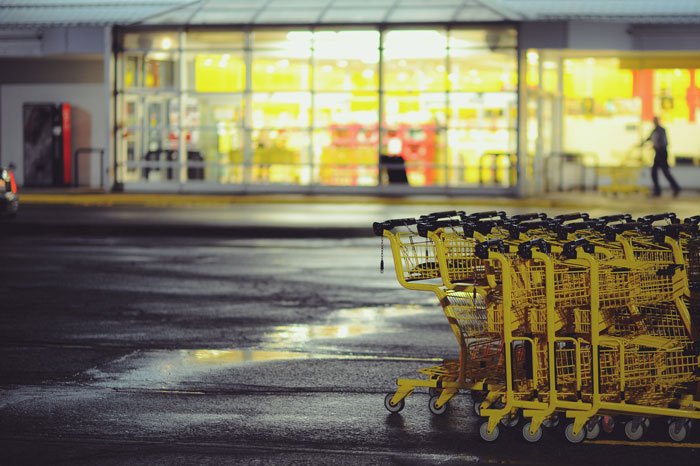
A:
(87, 69)
(89, 120)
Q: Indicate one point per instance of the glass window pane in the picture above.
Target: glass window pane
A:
(415, 108)
(415, 60)
(490, 110)
(483, 70)
(151, 40)
(281, 109)
(280, 156)
(346, 155)
(480, 156)
(214, 136)
(153, 70)
(295, 42)
(207, 40)
(483, 38)
(217, 155)
(415, 75)
(346, 108)
(422, 150)
(345, 75)
(415, 44)
(215, 72)
(346, 60)
(277, 71)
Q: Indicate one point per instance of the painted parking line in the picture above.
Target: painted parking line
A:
(644, 444)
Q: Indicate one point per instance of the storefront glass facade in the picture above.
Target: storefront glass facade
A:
(322, 107)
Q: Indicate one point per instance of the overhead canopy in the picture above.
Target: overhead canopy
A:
(57, 13)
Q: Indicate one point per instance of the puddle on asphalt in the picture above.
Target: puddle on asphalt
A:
(344, 323)
(169, 369)
(235, 357)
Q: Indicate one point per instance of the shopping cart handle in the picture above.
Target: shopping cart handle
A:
(569, 249)
(656, 217)
(525, 249)
(516, 228)
(670, 231)
(563, 231)
(482, 249)
(611, 231)
(483, 226)
(615, 218)
(572, 216)
(424, 227)
(379, 227)
(483, 215)
(524, 217)
(446, 214)
(692, 229)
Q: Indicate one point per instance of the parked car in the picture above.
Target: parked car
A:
(9, 200)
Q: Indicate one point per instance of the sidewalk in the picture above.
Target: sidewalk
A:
(86, 212)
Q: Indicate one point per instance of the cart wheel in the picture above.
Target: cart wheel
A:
(531, 438)
(510, 420)
(552, 421)
(434, 409)
(632, 433)
(488, 437)
(393, 408)
(569, 434)
(678, 431)
(592, 431)
(608, 424)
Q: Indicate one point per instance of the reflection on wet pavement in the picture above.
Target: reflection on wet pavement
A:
(230, 357)
(167, 369)
(343, 323)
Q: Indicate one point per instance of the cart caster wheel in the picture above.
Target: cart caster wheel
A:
(678, 431)
(534, 437)
(434, 409)
(510, 421)
(632, 433)
(552, 421)
(592, 431)
(486, 436)
(608, 424)
(477, 408)
(393, 408)
(569, 434)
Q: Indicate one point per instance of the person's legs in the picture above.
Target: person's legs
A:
(671, 180)
(655, 180)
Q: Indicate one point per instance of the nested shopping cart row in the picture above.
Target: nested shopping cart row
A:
(583, 318)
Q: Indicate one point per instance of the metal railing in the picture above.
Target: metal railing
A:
(568, 171)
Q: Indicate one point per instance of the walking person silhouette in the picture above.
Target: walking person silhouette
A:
(660, 141)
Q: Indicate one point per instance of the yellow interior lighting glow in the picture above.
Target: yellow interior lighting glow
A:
(166, 43)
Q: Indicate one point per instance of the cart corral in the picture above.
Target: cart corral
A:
(569, 319)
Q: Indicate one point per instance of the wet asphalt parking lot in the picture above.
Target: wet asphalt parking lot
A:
(195, 350)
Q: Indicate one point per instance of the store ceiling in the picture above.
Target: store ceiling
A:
(56, 13)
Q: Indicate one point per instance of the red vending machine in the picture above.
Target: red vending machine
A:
(47, 144)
